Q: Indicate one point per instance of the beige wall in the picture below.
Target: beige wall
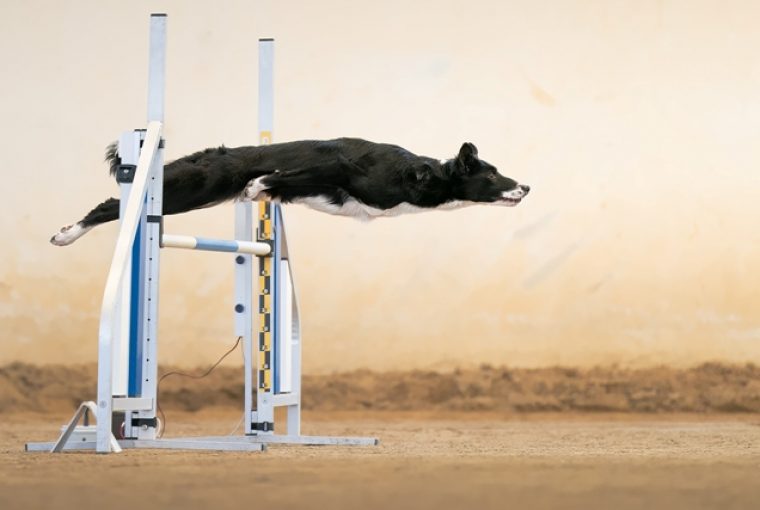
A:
(636, 123)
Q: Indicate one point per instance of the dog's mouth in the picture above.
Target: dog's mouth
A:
(508, 201)
(513, 197)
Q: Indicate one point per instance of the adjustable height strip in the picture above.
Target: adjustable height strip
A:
(266, 305)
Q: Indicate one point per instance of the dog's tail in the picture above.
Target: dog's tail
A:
(113, 159)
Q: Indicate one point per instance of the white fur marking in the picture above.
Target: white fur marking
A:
(254, 189)
(358, 210)
(511, 198)
(514, 194)
(69, 234)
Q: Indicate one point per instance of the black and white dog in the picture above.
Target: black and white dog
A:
(347, 176)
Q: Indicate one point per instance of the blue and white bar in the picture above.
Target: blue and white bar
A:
(206, 244)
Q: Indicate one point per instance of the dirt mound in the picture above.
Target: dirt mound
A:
(707, 388)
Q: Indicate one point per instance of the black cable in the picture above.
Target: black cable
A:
(191, 376)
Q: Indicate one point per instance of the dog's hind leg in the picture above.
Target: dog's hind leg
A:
(102, 213)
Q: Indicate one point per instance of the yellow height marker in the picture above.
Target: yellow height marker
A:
(265, 299)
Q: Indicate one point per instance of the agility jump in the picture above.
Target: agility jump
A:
(128, 342)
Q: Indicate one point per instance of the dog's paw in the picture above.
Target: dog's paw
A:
(68, 234)
(60, 237)
(254, 190)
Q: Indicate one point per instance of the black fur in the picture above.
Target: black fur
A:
(378, 175)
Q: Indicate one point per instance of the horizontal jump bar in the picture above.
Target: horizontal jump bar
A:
(206, 244)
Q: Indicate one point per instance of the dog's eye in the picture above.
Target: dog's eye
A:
(492, 177)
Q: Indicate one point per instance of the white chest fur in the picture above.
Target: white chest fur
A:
(361, 211)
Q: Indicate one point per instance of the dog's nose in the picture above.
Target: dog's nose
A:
(525, 188)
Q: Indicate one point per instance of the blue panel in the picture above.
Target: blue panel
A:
(216, 245)
(135, 315)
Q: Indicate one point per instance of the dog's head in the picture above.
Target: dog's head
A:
(475, 180)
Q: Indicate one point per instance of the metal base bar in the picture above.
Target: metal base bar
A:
(215, 443)
(219, 443)
(71, 428)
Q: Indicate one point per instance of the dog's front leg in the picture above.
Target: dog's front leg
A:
(255, 189)
(335, 175)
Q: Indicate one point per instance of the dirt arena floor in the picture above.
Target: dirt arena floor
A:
(424, 462)
(446, 456)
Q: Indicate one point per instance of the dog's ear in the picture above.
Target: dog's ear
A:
(467, 159)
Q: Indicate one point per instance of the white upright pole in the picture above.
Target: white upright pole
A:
(157, 67)
(146, 421)
(243, 308)
(266, 90)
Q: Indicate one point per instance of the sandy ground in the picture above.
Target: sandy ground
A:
(434, 460)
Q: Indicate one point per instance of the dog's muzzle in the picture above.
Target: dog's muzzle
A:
(513, 197)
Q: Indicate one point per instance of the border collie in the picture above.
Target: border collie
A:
(347, 176)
